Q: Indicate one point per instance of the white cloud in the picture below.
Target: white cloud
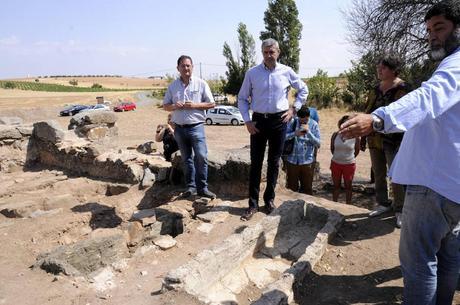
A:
(72, 46)
(9, 41)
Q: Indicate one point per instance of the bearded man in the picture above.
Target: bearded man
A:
(428, 162)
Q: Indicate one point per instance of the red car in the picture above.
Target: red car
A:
(125, 106)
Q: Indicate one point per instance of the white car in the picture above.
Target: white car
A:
(224, 115)
(100, 107)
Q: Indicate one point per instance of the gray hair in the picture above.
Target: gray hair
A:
(270, 42)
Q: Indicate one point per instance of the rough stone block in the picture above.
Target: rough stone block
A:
(25, 130)
(146, 217)
(135, 232)
(92, 117)
(97, 133)
(85, 257)
(165, 242)
(10, 120)
(147, 148)
(9, 132)
(148, 179)
(48, 131)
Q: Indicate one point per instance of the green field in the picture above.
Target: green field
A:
(36, 86)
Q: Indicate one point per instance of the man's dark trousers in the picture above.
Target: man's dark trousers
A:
(272, 130)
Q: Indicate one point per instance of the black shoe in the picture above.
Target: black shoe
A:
(188, 193)
(207, 194)
(249, 213)
(269, 207)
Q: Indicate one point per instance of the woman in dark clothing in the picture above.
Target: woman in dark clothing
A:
(383, 147)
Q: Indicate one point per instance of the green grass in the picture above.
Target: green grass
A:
(32, 86)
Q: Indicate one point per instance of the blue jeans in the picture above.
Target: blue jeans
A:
(429, 247)
(194, 154)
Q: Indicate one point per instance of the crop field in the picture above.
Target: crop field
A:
(37, 86)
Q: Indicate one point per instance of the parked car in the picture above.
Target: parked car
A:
(72, 110)
(98, 107)
(125, 106)
(219, 97)
(224, 115)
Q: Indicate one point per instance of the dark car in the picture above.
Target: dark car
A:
(72, 110)
(125, 106)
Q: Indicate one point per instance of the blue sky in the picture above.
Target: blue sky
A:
(143, 38)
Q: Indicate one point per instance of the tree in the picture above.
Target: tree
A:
(322, 89)
(386, 26)
(282, 24)
(361, 78)
(237, 66)
(389, 26)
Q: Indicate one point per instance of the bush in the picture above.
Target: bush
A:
(37, 80)
(96, 86)
(9, 85)
(74, 82)
(159, 93)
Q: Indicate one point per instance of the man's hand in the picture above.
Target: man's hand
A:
(188, 105)
(251, 127)
(357, 126)
(300, 132)
(179, 105)
(288, 115)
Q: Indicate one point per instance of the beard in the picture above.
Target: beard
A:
(450, 45)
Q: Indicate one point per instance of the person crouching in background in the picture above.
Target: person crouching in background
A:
(165, 134)
(343, 163)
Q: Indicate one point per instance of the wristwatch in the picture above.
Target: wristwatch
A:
(377, 123)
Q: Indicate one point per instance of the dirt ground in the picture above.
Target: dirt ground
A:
(360, 266)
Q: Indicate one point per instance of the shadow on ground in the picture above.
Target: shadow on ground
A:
(102, 216)
(350, 289)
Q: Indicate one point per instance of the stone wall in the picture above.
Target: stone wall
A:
(14, 140)
(86, 149)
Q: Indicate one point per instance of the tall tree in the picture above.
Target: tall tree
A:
(239, 64)
(282, 23)
(398, 26)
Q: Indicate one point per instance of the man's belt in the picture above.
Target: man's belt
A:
(269, 115)
(188, 125)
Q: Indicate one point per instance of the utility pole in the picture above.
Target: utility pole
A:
(201, 76)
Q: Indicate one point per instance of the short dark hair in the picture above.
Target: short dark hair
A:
(303, 112)
(391, 61)
(183, 57)
(343, 119)
(450, 9)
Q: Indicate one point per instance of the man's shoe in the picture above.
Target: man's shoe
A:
(269, 206)
(207, 194)
(188, 193)
(379, 210)
(398, 220)
(249, 213)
